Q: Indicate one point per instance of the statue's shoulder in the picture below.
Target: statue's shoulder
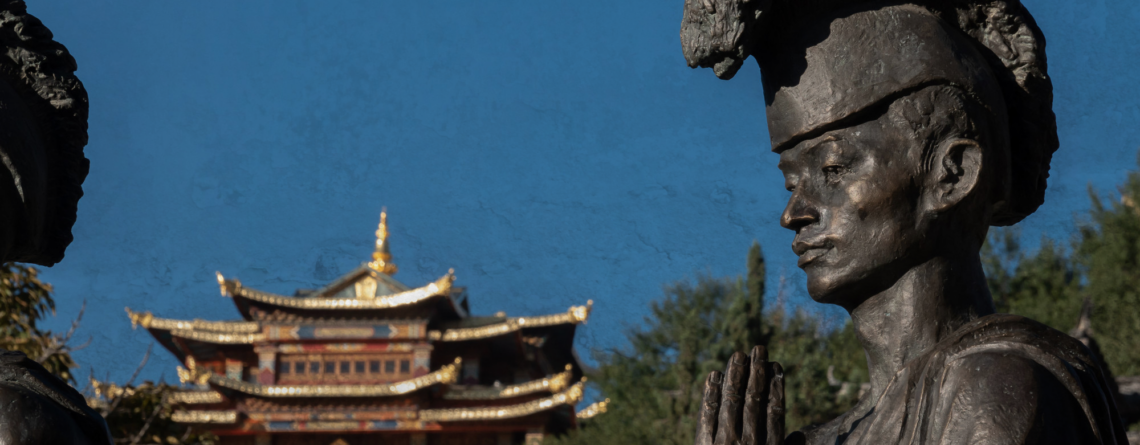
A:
(1008, 377)
(1018, 340)
(37, 407)
(27, 417)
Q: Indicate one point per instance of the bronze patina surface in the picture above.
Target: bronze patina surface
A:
(43, 129)
(905, 130)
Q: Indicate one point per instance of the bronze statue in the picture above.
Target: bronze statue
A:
(43, 129)
(905, 130)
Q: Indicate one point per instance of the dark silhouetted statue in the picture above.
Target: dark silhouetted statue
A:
(43, 129)
(905, 130)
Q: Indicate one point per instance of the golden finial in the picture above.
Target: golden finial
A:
(382, 257)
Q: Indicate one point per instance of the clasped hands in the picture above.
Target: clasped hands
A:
(745, 404)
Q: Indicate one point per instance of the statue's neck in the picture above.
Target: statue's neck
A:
(925, 305)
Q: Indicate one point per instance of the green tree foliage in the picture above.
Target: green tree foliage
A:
(742, 323)
(655, 384)
(1109, 256)
(141, 415)
(25, 300)
(1044, 286)
(808, 350)
(135, 414)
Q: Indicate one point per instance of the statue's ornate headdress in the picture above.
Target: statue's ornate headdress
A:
(42, 73)
(873, 51)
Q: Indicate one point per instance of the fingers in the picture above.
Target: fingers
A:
(755, 416)
(706, 422)
(776, 406)
(728, 423)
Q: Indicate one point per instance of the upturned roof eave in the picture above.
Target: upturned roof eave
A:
(245, 297)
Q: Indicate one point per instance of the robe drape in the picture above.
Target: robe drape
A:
(1000, 379)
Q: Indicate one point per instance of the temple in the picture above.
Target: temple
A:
(366, 359)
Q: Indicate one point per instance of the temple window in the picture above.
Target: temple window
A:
(344, 368)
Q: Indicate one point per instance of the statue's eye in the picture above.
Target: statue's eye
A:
(833, 172)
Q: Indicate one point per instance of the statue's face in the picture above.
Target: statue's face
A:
(856, 209)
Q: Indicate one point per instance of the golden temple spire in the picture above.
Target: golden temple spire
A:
(382, 257)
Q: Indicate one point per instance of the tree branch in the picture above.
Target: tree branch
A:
(60, 344)
(118, 398)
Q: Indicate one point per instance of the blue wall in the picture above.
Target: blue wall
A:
(551, 152)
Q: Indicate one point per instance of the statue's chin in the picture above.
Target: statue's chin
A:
(824, 288)
(844, 287)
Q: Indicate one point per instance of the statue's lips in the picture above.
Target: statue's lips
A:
(809, 251)
(812, 255)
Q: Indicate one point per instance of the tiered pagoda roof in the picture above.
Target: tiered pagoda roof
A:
(366, 353)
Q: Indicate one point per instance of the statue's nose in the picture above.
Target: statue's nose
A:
(799, 212)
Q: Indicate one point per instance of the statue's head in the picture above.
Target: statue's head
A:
(43, 129)
(904, 131)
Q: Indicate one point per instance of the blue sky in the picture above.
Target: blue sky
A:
(550, 152)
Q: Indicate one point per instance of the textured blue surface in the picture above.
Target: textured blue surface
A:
(551, 152)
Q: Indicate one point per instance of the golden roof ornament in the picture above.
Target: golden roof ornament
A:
(382, 257)
(140, 318)
(593, 410)
(228, 287)
(579, 314)
(192, 373)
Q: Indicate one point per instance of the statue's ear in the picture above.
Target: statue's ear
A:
(955, 168)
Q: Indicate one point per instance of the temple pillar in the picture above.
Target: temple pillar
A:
(266, 364)
(233, 369)
(421, 359)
